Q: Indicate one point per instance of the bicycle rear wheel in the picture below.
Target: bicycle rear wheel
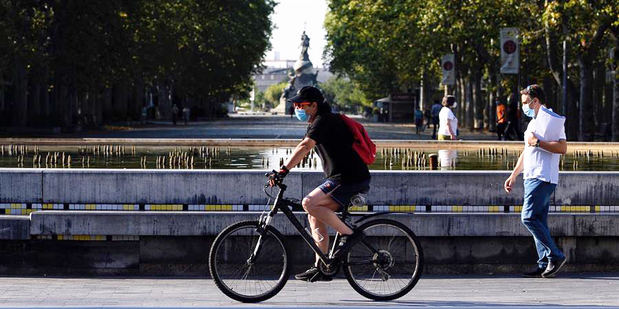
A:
(244, 272)
(387, 263)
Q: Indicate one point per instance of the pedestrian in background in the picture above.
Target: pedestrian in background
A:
(540, 163)
(175, 111)
(501, 120)
(448, 123)
(186, 114)
(512, 129)
(418, 120)
(436, 110)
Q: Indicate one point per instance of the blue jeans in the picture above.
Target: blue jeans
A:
(534, 216)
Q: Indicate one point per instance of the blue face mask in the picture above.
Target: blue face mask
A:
(300, 113)
(527, 111)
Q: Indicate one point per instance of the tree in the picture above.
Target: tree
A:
(274, 92)
(344, 93)
(90, 61)
(389, 45)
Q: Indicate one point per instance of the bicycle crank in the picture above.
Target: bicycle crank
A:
(330, 269)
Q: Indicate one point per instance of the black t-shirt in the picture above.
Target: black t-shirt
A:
(334, 147)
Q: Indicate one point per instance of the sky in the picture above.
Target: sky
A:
(290, 18)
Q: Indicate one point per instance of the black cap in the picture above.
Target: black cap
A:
(308, 94)
(535, 91)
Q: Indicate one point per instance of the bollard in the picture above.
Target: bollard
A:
(433, 161)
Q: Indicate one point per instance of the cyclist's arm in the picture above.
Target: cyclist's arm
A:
(304, 147)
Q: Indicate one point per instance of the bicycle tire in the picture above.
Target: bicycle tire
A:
(227, 255)
(384, 260)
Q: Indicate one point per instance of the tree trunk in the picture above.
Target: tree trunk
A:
(615, 122)
(470, 106)
(549, 91)
(458, 87)
(478, 100)
(107, 108)
(2, 97)
(98, 102)
(45, 103)
(71, 105)
(139, 99)
(119, 101)
(34, 107)
(585, 115)
(21, 95)
(492, 98)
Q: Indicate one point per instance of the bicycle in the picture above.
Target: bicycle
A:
(249, 260)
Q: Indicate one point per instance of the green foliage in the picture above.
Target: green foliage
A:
(203, 50)
(344, 93)
(386, 46)
(273, 93)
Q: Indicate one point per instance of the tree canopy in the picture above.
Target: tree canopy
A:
(81, 57)
(388, 46)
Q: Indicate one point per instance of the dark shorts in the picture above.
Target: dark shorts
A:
(341, 193)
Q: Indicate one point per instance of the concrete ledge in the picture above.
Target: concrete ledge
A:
(14, 227)
(21, 185)
(245, 187)
(210, 224)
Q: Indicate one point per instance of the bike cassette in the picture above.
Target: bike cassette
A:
(383, 260)
(329, 270)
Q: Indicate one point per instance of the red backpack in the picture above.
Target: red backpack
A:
(362, 144)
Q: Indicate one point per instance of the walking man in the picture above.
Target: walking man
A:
(540, 163)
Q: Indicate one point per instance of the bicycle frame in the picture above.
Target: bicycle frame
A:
(282, 204)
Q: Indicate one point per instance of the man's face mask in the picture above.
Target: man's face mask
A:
(527, 110)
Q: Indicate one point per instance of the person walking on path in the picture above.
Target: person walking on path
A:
(448, 123)
(175, 111)
(512, 129)
(436, 110)
(501, 120)
(345, 171)
(418, 120)
(539, 161)
(186, 114)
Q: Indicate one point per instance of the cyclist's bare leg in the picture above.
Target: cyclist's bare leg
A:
(323, 207)
(319, 234)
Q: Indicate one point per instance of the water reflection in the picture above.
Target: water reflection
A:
(267, 158)
(447, 159)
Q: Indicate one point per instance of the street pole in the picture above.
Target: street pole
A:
(564, 81)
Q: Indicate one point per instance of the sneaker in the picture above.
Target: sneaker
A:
(347, 241)
(534, 274)
(553, 268)
(312, 275)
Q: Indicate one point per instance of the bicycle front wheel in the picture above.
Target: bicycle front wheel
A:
(387, 263)
(247, 266)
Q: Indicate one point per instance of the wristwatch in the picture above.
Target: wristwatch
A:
(536, 144)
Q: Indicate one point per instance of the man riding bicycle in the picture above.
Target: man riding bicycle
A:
(346, 173)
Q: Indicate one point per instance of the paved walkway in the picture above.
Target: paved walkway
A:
(566, 291)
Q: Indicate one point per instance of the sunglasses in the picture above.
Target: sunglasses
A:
(301, 104)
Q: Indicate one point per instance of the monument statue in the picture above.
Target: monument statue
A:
(303, 76)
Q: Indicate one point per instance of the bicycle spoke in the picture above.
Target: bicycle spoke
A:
(393, 267)
(243, 276)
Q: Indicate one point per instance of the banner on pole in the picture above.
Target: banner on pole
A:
(510, 51)
(449, 70)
